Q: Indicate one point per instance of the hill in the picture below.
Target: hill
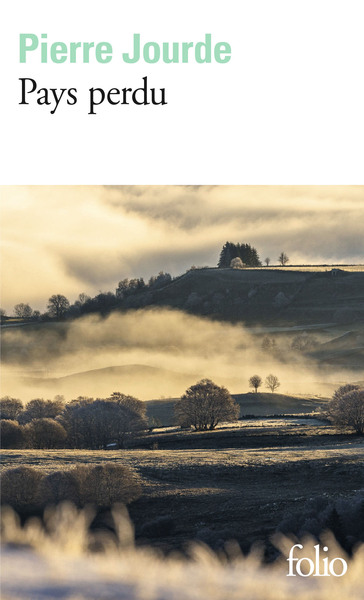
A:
(142, 381)
(278, 297)
(259, 404)
(269, 296)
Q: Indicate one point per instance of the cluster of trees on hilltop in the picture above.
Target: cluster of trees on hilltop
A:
(136, 293)
(247, 254)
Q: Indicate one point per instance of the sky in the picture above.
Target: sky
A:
(73, 239)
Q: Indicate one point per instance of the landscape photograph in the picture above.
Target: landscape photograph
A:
(182, 392)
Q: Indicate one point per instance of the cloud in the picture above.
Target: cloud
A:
(76, 239)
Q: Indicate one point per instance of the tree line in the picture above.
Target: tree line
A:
(130, 293)
(81, 423)
(89, 423)
(134, 292)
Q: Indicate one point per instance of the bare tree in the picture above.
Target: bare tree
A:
(129, 402)
(344, 389)
(267, 261)
(10, 408)
(255, 382)
(346, 409)
(204, 405)
(272, 382)
(23, 311)
(58, 306)
(42, 409)
(283, 259)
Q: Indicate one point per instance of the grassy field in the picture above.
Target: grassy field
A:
(260, 404)
(222, 493)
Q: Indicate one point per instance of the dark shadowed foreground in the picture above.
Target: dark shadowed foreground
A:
(244, 488)
(57, 564)
(199, 491)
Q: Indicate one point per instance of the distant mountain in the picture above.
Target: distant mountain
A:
(142, 381)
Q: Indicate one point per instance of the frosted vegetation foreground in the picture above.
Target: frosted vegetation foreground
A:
(57, 564)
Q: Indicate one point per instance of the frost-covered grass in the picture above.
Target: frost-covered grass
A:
(349, 451)
(256, 422)
(40, 565)
(52, 460)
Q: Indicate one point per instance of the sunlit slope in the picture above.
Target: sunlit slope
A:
(269, 296)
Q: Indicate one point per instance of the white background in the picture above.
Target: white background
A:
(287, 109)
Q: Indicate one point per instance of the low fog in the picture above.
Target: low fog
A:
(160, 353)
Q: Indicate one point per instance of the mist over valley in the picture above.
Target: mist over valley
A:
(223, 324)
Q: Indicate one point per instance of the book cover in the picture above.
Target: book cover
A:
(182, 304)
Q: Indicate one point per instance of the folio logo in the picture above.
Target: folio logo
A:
(314, 567)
